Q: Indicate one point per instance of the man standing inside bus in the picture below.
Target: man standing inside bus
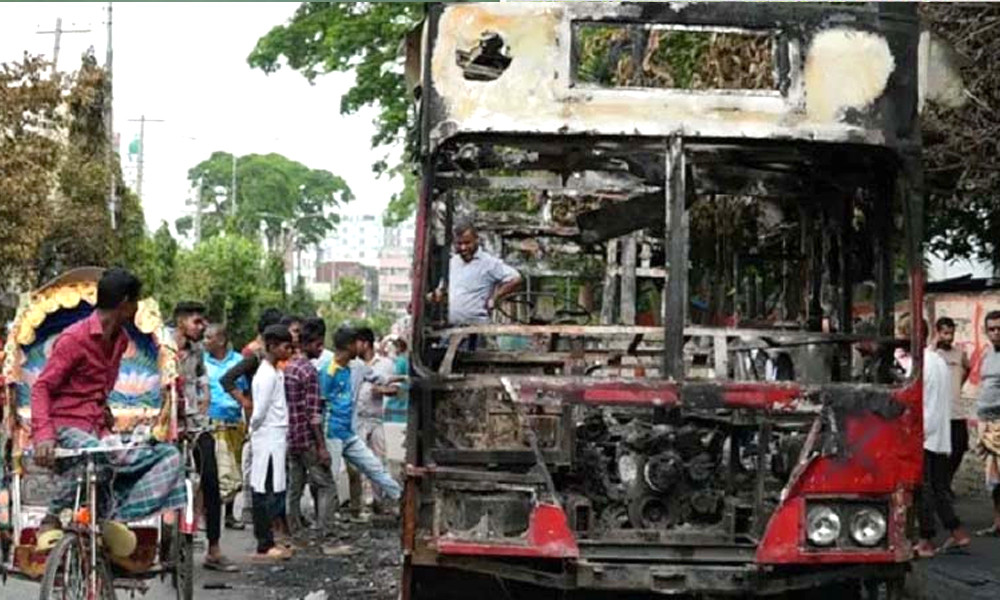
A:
(988, 413)
(935, 496)
(958, 371)
(476, 280)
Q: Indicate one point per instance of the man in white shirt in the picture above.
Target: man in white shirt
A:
(935, 497)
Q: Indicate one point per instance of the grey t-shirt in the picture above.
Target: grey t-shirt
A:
(470, 285)
(988, 405)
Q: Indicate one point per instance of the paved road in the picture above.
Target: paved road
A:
(371, 573)
(974, 575)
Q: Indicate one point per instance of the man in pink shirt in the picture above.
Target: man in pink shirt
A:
(69, 409)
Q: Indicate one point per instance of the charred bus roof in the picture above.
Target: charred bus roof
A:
(828, 72)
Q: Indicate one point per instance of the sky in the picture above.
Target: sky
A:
(185, 63)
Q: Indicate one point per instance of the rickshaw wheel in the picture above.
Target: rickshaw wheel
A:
(66, 572)
(182, 559)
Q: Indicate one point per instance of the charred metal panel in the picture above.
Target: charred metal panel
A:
(848, 73)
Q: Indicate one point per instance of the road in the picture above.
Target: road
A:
(370, 573)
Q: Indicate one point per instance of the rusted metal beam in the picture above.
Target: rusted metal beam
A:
(610, 277)
(676, 243)
(657, 333)
(620, 219)
(628, 299)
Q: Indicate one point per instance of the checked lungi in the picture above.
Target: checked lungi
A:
(133, 484)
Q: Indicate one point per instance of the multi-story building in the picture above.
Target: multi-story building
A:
(330, 274)
(395, 261)
(357, 238)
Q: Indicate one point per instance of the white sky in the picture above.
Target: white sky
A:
(186, 63)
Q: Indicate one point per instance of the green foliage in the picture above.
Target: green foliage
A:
(29, 156)
(156, 266)
(223, 272)
(301, 302)
(363, 37)
(402, 204)
(290, 202)
(347, 307)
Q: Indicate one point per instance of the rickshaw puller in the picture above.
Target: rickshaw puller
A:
(69, 409)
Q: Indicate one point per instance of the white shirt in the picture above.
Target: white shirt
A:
(937, 407)
(270, 409)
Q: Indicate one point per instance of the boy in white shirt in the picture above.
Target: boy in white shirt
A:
(268, 433)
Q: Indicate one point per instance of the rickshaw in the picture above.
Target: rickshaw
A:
(146, 409)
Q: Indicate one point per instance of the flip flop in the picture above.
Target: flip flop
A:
(221, 564)
(275, 554)
(991, 531)
(953, 546)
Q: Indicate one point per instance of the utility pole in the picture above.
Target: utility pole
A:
(197, 210)
(232, 190)
(110, 124)
(142, 150)
(57, 32)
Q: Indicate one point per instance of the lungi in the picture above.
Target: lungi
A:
(132, 485)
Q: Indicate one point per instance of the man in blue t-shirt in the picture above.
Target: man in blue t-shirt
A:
(226, 414)
(339, 383)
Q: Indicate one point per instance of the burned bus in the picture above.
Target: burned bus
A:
(715, 209)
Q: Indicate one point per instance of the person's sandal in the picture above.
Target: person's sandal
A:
(991, 531)
(953, 545)
(923, 550)
(275, 554)
(220, 564)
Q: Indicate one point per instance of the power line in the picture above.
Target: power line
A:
(58, 32)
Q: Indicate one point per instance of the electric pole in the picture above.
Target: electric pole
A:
(142, 150)
(57, 32)
(110, 124)
(232, 201)
(197, 210)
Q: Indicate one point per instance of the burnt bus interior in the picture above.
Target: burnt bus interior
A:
(784, 261)
(688, 221)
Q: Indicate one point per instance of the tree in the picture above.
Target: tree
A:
(363, 37)
(346, 304)
(223, 272)
(291, 203)
(156, 266)
(79, 223)
(30, 150)
(962, 167)
(301, 302)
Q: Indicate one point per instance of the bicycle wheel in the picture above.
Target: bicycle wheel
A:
(182, 559)
(65, 576)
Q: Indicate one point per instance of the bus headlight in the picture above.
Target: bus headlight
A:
(822, 526)
(868, 527)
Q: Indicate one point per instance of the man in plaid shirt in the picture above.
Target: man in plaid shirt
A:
(308, 459)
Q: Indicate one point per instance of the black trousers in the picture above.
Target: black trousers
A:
(208, 472)
(959, 446)
(267, 507)
(935, 497)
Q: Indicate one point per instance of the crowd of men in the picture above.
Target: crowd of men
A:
(282, 415)
(946, 433)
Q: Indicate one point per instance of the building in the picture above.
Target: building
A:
(329, 275)
(357, 238)
(395, 261)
